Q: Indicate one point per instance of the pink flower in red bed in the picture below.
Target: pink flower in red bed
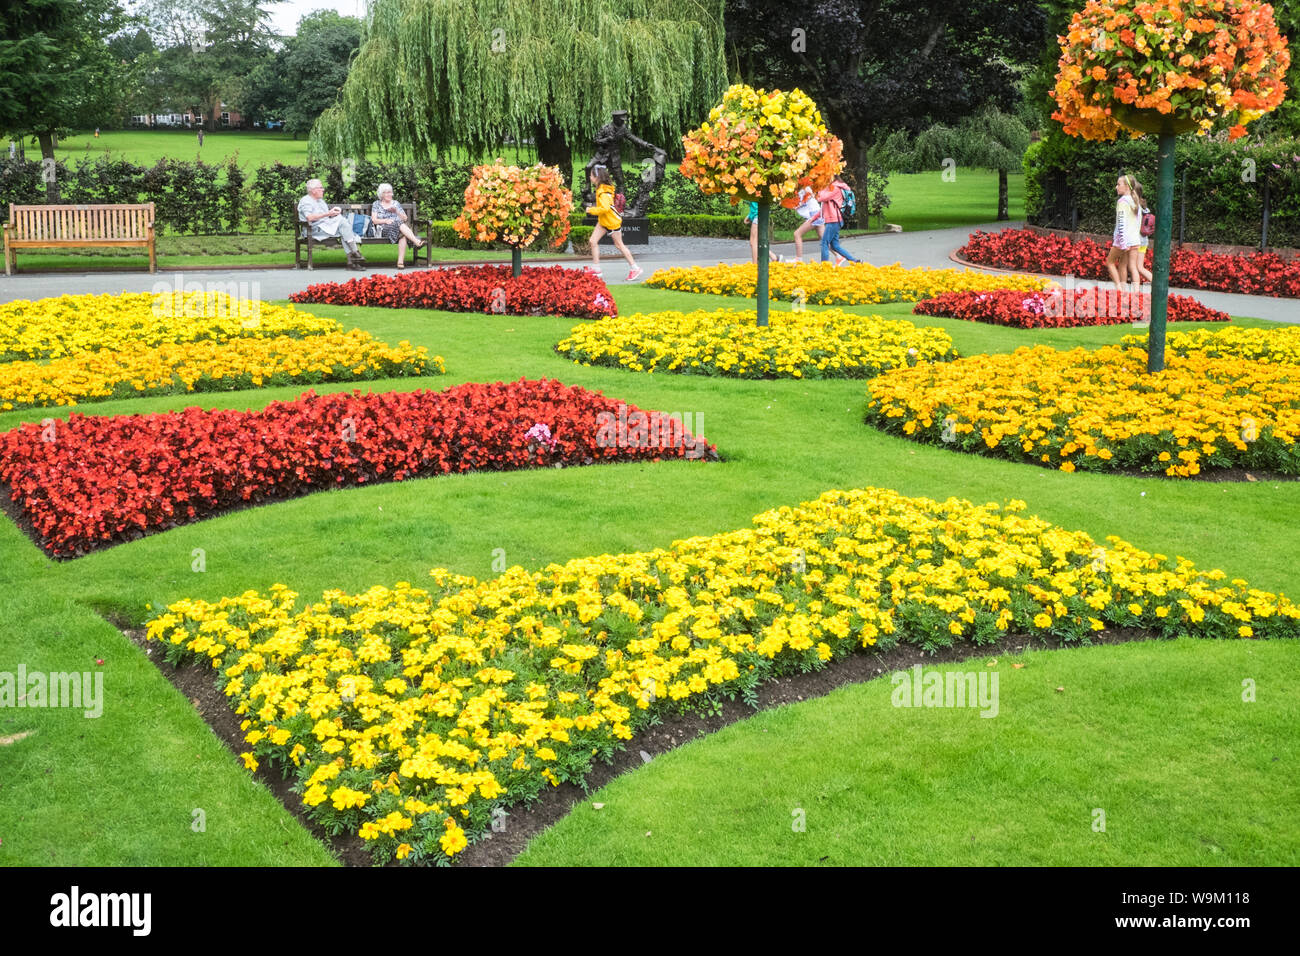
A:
(115, 478)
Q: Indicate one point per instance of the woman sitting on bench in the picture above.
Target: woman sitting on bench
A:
(390, 219)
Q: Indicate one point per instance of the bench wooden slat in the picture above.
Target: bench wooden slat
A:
(84, 224)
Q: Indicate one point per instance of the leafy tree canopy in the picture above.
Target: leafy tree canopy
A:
(472, 73)
(875, 65)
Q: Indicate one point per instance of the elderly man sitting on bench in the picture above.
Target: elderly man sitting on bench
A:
(329, 223)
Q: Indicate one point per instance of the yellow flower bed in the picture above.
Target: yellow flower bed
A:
(411, 717)
(728, 342)
(1100, 410)
(209, 366)
(73, 324)
(820, 283)
(1279, 346)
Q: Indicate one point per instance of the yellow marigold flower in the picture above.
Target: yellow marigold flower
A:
(454, 840)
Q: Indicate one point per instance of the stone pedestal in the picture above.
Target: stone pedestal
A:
(636, 232)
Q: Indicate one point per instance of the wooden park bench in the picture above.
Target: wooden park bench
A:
(49, 227)
(304, 236)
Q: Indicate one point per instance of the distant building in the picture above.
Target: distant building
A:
(228, 119)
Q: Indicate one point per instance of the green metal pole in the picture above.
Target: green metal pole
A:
(1160, 267)
(764, 210)
(516, 261)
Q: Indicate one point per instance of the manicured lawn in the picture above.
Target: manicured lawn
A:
(1155, 735)
(121, 788)
(924, 201)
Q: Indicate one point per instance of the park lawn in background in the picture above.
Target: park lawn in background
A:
(145, 147)
(782, 442)
(924, 201)
(1155, 734)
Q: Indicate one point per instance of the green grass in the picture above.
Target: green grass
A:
(784, 442)
(1156, 736)
(924, 201)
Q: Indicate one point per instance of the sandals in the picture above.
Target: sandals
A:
(401, 265)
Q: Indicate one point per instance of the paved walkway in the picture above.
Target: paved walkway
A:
(928, 248)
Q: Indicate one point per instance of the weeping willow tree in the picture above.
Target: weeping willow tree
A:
(990, 139)
(432, 74)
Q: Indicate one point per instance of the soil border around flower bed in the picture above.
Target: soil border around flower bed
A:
(197, 681)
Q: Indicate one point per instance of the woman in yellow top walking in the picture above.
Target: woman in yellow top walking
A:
(608, 221)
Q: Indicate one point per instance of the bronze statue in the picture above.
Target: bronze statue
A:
(609, 141)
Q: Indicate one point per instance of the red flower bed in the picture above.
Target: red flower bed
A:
(95, 480)
(540, 290)
(1059, 309)
(1260, 273)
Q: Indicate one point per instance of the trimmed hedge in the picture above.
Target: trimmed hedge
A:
(204, 199)
(197, 198)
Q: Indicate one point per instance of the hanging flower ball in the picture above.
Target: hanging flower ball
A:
(516, 206)
(758, 145)
(1184, 65)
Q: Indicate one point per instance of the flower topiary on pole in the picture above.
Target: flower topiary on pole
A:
(516, 206)
(1168, 67)
(761, 147)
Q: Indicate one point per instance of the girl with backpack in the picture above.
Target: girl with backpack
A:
(609, 221)
(1137, 268)
(832, 201)
(1128, 224)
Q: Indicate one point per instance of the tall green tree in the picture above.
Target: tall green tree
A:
(208, 47)
(880, 65)
(304, 78)
(56, 69)
(438, 73)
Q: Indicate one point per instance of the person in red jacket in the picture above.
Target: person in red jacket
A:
(832, 202)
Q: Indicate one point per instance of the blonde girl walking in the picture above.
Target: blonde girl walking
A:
(1127, 235)
(608, 221)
